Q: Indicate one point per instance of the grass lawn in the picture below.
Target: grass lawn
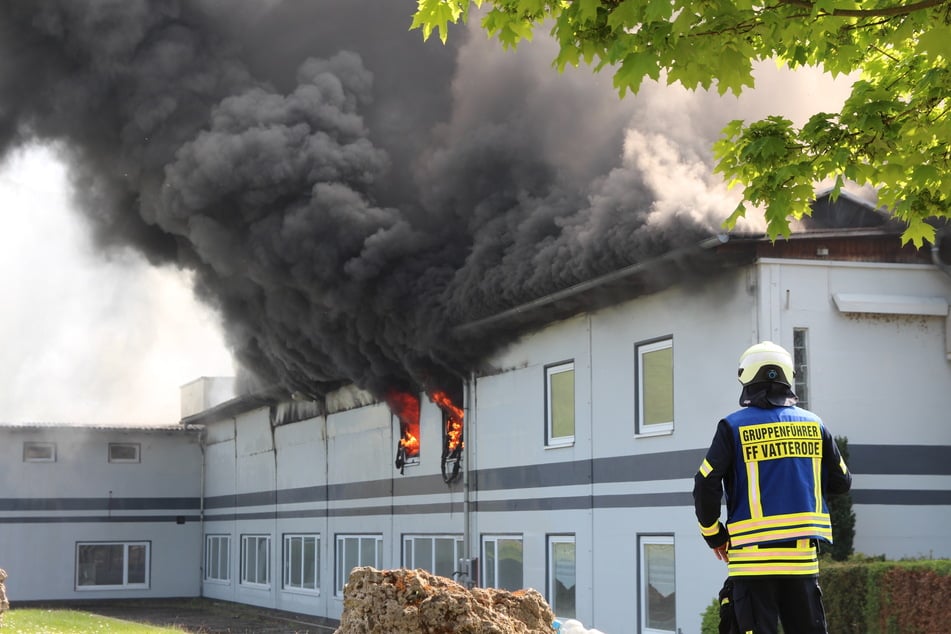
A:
(46, 621)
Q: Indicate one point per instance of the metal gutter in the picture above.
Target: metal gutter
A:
(581, 287)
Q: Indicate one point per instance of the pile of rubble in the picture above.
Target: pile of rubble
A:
(4, 604)
(417, 602)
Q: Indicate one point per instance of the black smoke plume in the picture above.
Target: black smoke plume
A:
(345, 193)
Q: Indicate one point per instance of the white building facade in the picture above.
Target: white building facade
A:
(593, 507)
(100, 512)
(581, 442)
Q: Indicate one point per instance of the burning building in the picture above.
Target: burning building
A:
(427, 250)
(578, 443)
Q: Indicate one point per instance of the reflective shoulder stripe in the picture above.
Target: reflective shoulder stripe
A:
(710, 531)
(705, 468)
(842, 466)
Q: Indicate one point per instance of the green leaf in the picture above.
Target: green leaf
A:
(633, 69)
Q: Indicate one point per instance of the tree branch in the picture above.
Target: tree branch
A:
(870, 13)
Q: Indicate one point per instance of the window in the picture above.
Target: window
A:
(502, 562)
(123, 452)
(655, 386)
(112, 565)
(560, 404)
(39, 452)
(561, 575)
(302, 562)
(256, 560)
(801, 366)
(218, 557)
(353, 551)
(439, 554)
(657, 584)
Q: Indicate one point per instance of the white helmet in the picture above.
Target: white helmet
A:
(766, 362)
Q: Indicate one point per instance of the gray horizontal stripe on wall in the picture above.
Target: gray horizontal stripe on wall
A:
(669, 465)
(643, 500)
(900, 459)
(864, 459)
(577, 502)
(408, 485)
(98, 504)
(100, 519)
(901, 497)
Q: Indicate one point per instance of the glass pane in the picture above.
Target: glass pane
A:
(124, 452)
(100, 565)
(225, 545)
(351, 558)
(488, 565)
(367, 551)
(510, 564)
(310, 563)
(445, 563)
(408, 560)
(137, 563)
(658, 386)
(563, 569)
(261, 576)
(661, 584)
(424, 553)
(296, 561)
(563, 404)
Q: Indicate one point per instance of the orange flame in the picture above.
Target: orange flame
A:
(406, 408)
(454, 420)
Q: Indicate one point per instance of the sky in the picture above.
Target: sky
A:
(86, 337)
(343, 193)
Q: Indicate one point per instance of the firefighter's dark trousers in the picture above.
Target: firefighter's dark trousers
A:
(760, 602)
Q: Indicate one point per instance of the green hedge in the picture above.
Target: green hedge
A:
(872, 596)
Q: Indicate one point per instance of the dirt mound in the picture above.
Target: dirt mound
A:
(417, 602)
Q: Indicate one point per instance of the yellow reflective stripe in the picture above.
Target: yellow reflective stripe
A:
(805, 568)
(842, 466)
(781, 535)
(705, 468)
(754, 554)
(817, 482)
(752, 479)
(778, 520)
(710, 531)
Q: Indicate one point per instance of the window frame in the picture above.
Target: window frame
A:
(410, 560)
(126, 584)
(138, 452)
(550, 439)
(550, 577)
(286, 583)
(641, 348)
(495, 538)
(643, 607)
(213, 543)
(801, 366)
(244, 578)
(340, 579)
(37, 444)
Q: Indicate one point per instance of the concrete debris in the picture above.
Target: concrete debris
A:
(417, 602)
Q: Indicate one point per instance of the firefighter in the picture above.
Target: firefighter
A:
(776, 462)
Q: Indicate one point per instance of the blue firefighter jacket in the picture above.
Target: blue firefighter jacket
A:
(775, 464)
